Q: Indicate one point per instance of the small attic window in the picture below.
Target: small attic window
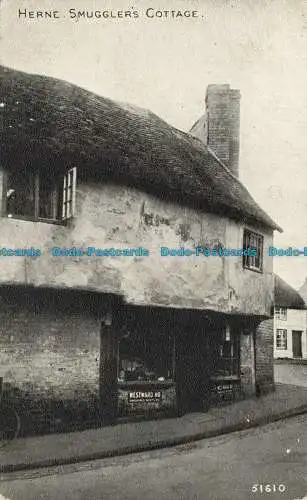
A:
(39, 197)
(280, 313)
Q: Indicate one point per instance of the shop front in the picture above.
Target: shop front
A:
(169, 362)
(209, 360)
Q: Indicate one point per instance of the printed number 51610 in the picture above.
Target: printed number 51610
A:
(268, 488)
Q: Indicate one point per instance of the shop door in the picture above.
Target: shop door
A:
(192, 378)
(297, 344)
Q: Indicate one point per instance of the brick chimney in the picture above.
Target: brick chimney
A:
(220, 127)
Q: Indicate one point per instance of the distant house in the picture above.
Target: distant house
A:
(138, 333)
(303, 291)
(290, 322)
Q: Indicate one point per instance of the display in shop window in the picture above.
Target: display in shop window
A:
(145, 358)
(225, 351)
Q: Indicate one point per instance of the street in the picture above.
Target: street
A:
(273, 457)
(291, 374)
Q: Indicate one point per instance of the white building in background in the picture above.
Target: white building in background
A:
(290, 322)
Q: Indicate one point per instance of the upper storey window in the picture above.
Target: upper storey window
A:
(36, 196)
(253, 242)
(281, 313)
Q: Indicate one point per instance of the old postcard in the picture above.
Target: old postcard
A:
(153, 251)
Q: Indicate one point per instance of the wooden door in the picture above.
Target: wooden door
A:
(297, 343)
(192, 375)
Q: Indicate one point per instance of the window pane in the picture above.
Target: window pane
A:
(48, 198)
(21, 194)
(225, 353)
(69, 188)
(143, 358)
(281, 339)
(281, 313)
(252, 241)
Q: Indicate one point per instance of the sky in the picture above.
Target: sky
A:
(165, 64)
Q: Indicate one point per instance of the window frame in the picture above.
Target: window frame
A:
(230, 337)
(278, 313)
(69, 187)
(283, 338)
(55, 192)
(247, 236)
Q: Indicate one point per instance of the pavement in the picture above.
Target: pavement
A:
(289, 373)
(290, 361)
(132, 437)
(246, 465)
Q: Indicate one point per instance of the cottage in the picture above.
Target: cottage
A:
(290, 322)
(117, 335)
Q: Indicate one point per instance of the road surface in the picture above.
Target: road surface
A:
(223, 468)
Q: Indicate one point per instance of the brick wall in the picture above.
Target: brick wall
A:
(264, 357)
(49, 360)
(223, 122)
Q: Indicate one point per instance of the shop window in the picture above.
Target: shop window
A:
(253, 241)
(145, 358)
(280, 313)
(281, 339)
(225, 350)
(37, 196)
